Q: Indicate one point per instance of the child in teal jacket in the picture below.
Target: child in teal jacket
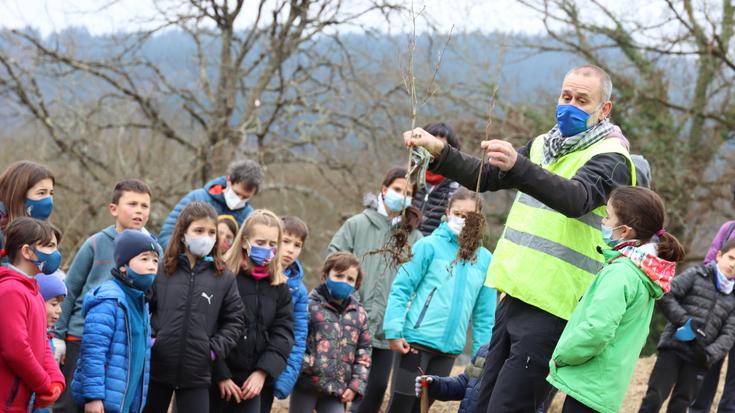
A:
(596, 354)
(444, 295)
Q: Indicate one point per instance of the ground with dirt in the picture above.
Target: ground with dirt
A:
(632, 401)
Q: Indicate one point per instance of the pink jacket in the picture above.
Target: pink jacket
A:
(27, 364)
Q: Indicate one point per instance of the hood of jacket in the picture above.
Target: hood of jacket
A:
(8, 274)
(105, 291)
(216, 190)
(294, 272)
(657, 272)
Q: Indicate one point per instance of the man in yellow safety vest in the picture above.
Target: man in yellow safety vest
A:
(547, 254)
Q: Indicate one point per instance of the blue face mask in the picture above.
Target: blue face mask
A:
(394, 200)
(261, 255)
(140, 282)
(607, 235)
(47, 263)
(41, 208)
(571, 120)
(339, 289)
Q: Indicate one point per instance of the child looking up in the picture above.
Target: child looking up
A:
(130, 204)
(596, 355)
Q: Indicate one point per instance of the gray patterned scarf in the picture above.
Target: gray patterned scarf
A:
(556, 146)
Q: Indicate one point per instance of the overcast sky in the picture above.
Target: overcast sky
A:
(53, 15)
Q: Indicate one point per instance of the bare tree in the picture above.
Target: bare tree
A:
(673, 78)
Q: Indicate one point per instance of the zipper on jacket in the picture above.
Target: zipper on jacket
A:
(13, 392)
(130, 354)
(426, 307)
(145, 356)
(185, 329)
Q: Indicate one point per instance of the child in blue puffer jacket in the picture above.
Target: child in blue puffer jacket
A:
(295, 232)
(113, 367)
(431, 302)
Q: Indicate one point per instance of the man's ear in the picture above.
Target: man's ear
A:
(605, 112)
(112, 207)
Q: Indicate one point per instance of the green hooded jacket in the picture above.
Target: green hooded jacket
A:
(361, 234)
(597, 353)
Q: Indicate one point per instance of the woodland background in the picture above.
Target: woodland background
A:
(321, 101)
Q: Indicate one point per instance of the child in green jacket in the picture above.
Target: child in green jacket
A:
(595, 357)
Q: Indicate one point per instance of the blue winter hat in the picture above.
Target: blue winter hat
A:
(130, 243)
(50, 286)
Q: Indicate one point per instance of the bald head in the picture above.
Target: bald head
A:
(597, 72)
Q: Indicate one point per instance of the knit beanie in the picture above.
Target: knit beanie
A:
(131, 243)
(50, 286)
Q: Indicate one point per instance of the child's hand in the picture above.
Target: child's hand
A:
(48, 399)
(228, 390)
(399, 345)
(347, 396)
(253, 385)
(418, 388)
(94, 407)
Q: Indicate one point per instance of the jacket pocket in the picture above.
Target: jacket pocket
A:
(13, 392)
(422, 314)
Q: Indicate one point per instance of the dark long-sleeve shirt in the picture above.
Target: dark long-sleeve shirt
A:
(588, 189)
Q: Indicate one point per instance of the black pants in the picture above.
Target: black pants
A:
(382, 360)
(544, 407)
(672, 371)
(187, 400)
(709, 388)
(514, 376)
(304, 401)
(406, 368)
(66, 403)
(266, 397)
(572, 405)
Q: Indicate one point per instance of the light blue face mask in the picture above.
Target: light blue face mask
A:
(394, 200)
(607, 235)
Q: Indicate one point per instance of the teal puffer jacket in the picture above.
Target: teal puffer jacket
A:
(445, 297)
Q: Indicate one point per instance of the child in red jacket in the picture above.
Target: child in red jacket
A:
(27, 364)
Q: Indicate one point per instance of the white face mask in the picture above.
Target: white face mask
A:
(233, 200)
(199, 246)
(455, 224)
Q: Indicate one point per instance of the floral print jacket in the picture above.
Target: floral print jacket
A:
(338, 346)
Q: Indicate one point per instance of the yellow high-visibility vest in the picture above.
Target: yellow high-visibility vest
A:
(545, 258)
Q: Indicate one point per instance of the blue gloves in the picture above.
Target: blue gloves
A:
(685, 332)
(689, 331)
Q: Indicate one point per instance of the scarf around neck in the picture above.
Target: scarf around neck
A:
(724, 284)
(556, 146)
